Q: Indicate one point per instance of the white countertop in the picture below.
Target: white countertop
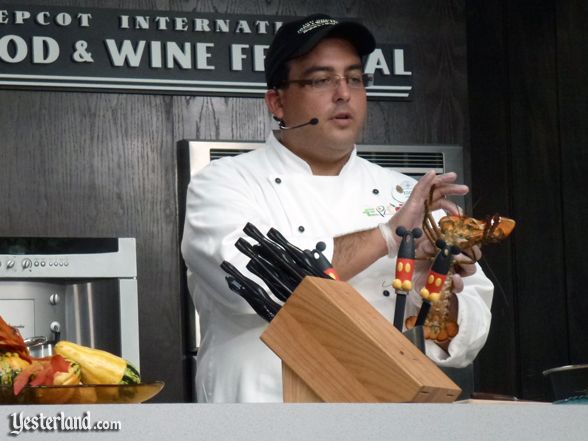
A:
(259, 422)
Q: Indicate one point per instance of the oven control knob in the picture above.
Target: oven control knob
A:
(55, 327)
(54, 299)
(10, 264)
(27, 263)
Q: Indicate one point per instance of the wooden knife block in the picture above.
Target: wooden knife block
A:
(335, 347)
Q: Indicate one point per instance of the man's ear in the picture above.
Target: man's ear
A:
(273, 100)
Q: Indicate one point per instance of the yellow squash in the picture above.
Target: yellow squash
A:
(10, 366)
(97, 366)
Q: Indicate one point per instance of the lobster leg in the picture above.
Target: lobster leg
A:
(430, 227)
(435, 230)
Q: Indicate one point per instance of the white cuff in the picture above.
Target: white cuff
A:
(391, 243)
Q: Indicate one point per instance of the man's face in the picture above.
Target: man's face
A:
(341, 111)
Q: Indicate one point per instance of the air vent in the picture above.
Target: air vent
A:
(410, 163)
(221, 153)
(412, 160)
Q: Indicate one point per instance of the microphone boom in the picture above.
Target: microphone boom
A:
(312, 122)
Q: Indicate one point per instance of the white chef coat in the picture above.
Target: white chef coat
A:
(272, 187)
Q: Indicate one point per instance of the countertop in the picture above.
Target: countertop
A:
(259, 422)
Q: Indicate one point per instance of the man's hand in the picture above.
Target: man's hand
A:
(354, 252)
(412, 213)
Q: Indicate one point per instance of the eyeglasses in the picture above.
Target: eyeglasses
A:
(329, 82)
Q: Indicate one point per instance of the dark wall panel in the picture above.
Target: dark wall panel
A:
(572, 48)
(491, 183)
(85, 165)
(214, 118)
(528, 98)
(537, 191)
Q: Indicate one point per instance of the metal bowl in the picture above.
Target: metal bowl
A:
(39, 347)
(566, 381)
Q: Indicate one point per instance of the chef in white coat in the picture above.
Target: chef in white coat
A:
(309, 184)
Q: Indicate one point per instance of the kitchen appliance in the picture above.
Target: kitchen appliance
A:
(79, 289)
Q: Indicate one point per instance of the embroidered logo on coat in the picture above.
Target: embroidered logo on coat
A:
(382, 210)
(400, 194)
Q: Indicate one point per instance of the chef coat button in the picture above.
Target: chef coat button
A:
(301, 229)
(375, 191)
(386, 293)
(278, 180)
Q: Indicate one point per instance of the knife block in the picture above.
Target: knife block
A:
(336, 348)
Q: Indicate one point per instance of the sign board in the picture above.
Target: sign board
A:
(182, 53)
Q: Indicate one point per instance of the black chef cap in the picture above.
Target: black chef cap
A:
(299, 37)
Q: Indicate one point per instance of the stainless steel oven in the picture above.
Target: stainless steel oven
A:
(78, 289)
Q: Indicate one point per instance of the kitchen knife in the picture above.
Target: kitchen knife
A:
(303, 260)
(320, 262)
(275, 254)
(402, 283)
(273, 282)
(267, 271)
(258, 306)
(254, 294)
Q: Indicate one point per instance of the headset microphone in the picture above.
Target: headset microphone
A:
(312, 122)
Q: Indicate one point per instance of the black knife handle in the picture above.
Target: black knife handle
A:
(258, 306)
(252, 231)
(279, 238)
(276, 286)
(275, 253)
(276, 273)
(301, 258)
(253, 289)
(245, 247)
